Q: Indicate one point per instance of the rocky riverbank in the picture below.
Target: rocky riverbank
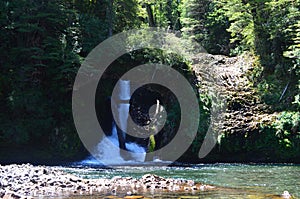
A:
(28, 181)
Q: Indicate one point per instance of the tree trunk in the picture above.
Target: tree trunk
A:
(110, 17)
(150, 15)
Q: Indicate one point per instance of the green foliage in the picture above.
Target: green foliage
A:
(151, 147)
(270, 30)
(91, 31)
(165, 13)
(287, 128)
(206, 22)
(287, 124)
(288, 21)
(278, 141)
(39, 63)
(193, 18)
(241, 25)
(217, 39)
(205, 103)
(125, 12)
(279, 89)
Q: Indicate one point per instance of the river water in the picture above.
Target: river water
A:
(233, 180)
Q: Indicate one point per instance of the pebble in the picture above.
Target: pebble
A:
(286, 195)
(26, 181)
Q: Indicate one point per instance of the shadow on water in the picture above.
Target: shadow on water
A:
(219, 193)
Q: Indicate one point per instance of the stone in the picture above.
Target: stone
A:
(22, 181)
(286, 195)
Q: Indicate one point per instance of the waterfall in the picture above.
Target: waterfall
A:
(123, 105)
(108, 150)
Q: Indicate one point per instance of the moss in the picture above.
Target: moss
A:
(151, 143)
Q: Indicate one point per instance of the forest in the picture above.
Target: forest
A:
(44, 42)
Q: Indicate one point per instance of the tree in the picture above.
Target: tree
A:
(161, 13)
(125, 15)
(217, 39)
(240, 26)
(206, 22)
(40, 62)
(194, 18)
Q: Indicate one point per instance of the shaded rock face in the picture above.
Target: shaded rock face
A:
(140, 104)
(26, 181)
(228, 77)
(244, 108)
(144, 98)
(141, 101)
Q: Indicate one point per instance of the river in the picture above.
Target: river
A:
(233, 180)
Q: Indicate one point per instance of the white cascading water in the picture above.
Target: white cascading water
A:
(108, 149)
(123, 106)
(123, 109)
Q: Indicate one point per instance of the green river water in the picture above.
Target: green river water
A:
(233, 180)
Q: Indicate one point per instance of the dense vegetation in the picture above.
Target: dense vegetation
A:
(43, 43)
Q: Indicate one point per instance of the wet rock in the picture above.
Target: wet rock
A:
(286, 195)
